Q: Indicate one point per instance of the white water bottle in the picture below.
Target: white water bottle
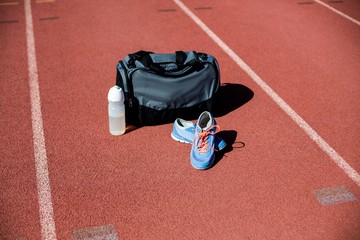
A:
(116, 111)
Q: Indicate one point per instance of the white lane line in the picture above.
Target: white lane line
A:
(107, 232)
(274, 96)
(334, 195)
(338, 12)
(42, 173)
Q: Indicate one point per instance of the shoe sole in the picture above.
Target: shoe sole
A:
(179, 140)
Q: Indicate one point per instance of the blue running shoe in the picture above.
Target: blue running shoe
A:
(184, 131)
(202, 153)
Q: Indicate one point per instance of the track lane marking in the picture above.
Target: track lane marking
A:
(42, 173)
(9, 3)
(107, 232)
(45, 1)
(167, 10)
(338, 12)
(9, 21)
(334, 195)
(49, 18)
(350, 172)
(203, 8)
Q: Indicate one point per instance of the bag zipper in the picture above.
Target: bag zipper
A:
(128, 85)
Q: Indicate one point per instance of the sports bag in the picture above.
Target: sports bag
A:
(159, 88)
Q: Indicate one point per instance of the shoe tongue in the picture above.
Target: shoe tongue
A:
(205, 122)
(203, 128)
(202, 123)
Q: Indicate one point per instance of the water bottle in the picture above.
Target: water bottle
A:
(116, 111)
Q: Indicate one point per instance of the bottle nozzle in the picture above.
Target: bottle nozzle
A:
(115, 94)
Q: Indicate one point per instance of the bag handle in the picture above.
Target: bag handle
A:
(154, 61)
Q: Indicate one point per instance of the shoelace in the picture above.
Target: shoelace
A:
(203, 137)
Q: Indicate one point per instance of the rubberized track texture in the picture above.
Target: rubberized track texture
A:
(288, 109)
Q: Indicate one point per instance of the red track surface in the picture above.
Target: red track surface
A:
(142, 182)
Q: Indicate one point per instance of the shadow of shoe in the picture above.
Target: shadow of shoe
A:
(231, 96)
(229, 136)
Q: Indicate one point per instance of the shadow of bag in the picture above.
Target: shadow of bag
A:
(159, 88)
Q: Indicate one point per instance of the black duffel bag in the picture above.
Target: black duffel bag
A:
(159, 88)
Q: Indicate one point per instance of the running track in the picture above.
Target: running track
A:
(63, 176)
